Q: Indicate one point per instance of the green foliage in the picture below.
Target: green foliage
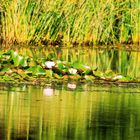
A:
(61, 21)
(19, 60)
(36, 70)
(15, 67)
(5, 70)
(14, 58)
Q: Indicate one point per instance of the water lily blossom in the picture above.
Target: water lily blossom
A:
(72, 71)
(118, 77)
(49, 64)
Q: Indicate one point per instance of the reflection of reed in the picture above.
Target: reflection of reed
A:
(9, 116)
(122, 62)
(70, 114)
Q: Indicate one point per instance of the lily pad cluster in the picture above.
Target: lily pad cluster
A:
(15, 67)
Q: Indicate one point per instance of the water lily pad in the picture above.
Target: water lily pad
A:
(89, 77)
(55, 75)
(88, 72)
(9, 52)
(23, 62)
(61, 65)
(109, 74)
(18, 60)
(16, 76)
(7, 78)
(98, 74)
(49, 73)
(6, 70)
(78, 65)
(36, 70)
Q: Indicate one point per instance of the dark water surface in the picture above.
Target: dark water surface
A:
(86, 112)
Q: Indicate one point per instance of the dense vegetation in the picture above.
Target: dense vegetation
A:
(69, 21)
(22, 68)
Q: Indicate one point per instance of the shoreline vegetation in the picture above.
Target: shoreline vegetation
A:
(69, 22)
(16, 68)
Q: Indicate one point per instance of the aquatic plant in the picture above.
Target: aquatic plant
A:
(65, 21)
(18, 68)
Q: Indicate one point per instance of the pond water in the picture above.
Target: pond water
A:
(88, 112)
(73, 111)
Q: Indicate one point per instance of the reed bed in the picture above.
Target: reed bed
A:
(70, 21)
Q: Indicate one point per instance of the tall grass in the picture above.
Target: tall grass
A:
(70, 21)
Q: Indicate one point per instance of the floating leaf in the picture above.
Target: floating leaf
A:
(61, 66)
(16, 76)
(14, 54)
(98, 74)
(56, 76)
(48, 73)
(7, 78)
(109, 74)
(23, 62)
(17, 60)
(78, 65)
(36, 70)
(88, 72)
(6, 70)
(8, 52)
(89, 77)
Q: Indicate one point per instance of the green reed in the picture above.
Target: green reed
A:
(70, 21)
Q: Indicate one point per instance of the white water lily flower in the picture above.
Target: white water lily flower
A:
(117, 77)
(49, 64)
(72, 71)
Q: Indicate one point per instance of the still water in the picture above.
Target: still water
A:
(70, 112)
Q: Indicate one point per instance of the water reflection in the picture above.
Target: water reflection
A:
(48, 91)
(71, 86)
(72, 114)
